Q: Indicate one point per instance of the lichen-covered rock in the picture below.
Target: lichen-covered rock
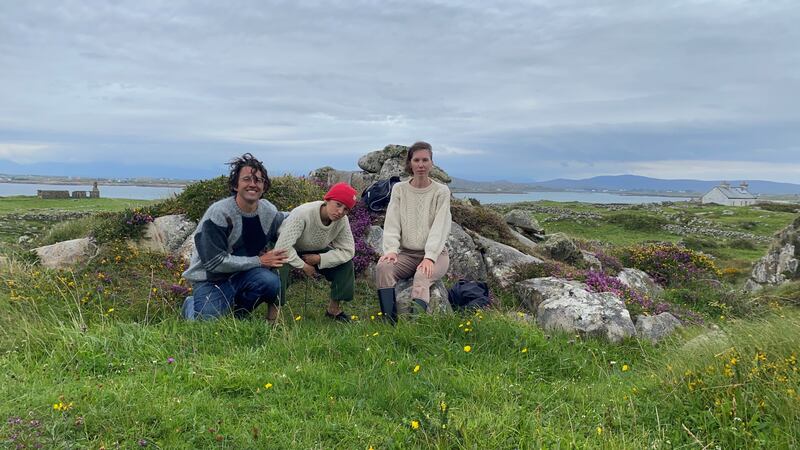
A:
(167, 233)
(568, 306)
(501, 260)
(656, 328)
(375, 239)
(782, 261)
(522, 239)
(372, 162)
(186, 249)
(561, 248)
(393, 168)
(466, 260)
(523, 220)
(591, 260)
(439, 304)
(640, 282)
(65, 254)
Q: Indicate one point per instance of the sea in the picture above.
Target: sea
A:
(156, 193)
(560, 196)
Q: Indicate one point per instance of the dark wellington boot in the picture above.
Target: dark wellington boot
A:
(386, 299)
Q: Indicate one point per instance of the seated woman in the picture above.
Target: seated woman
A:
(317, 239)
(414, 233)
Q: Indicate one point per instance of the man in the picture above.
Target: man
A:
(230, 269)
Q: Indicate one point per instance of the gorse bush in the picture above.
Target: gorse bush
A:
(670, 264)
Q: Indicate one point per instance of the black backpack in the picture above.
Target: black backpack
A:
(377, 195)
(469, 295)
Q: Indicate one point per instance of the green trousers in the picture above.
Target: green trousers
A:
(341, 277)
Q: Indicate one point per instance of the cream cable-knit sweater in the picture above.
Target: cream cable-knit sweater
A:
(303, 231)
(417, 219)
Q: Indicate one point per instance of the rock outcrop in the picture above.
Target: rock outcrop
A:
(640, 282)
(376, 165)
(568, 306)
(560, 247)
(466, 260)
(167, 234)
(67, 253)
(656, 328)
(501, 260)
(782, 261)
(439, 304)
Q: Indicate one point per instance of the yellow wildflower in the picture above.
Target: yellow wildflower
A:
(524, 350)
(415, 424)
(268, 386)
(599, 431)
(416, 368)
(467, 348)
(625, 368)
(298, 318)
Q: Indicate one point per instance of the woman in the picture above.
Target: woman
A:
(317, 239)
(414, 233)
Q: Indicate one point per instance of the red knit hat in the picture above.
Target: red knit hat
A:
(342, 193)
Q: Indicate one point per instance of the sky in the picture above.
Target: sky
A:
(503, 90)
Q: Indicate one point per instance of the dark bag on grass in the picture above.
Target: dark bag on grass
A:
(377, 195)
(469, 295)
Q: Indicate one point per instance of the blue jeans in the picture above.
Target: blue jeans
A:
(241, 293)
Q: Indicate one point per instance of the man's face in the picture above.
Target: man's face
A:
(251, 184)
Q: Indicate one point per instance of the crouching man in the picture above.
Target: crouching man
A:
(231, 268)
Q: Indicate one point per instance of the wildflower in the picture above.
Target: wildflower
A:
(443, 406)
(61, 406)
(416, 368)
(599, 431)
(110, 310)
(375, 333)
(625, 368)
(155, 290)
(298, 318)
(354, 317)
(372, 317)
(268, 386)
(467, 348)
(415, 424)
(170, 360)
(524, 350)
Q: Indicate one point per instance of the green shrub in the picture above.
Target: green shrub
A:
(742, 244)
(780, 207)
(670, 264)
(70, 229)
(285, 193)
(699, 243)
(637, 222)
(119, 226)
(748, 225)
(197, 197)
(712, 299)
(288, 192)
(483, 221)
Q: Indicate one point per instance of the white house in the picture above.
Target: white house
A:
(726, 195)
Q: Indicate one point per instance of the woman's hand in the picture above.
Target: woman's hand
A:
(426, 267)
(390, 257)
(274, 258)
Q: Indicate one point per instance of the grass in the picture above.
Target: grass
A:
(120, 379)
(20, 203)
(97, 357)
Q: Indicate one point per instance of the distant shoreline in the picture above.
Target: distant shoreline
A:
(625, 193)
(99, 183)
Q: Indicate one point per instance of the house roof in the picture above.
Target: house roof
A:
(736, 193)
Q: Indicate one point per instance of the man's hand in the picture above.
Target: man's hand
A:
(312, 259)
(273, 258)
(426, 267)
(309, 270)
(390, 257)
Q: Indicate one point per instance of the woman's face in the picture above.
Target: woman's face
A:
(421, 163)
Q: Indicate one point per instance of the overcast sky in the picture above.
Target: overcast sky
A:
(516, 90)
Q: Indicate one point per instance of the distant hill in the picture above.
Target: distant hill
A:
(624, 183)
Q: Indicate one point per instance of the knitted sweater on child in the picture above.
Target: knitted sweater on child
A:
(304, 231)
(417, 219)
